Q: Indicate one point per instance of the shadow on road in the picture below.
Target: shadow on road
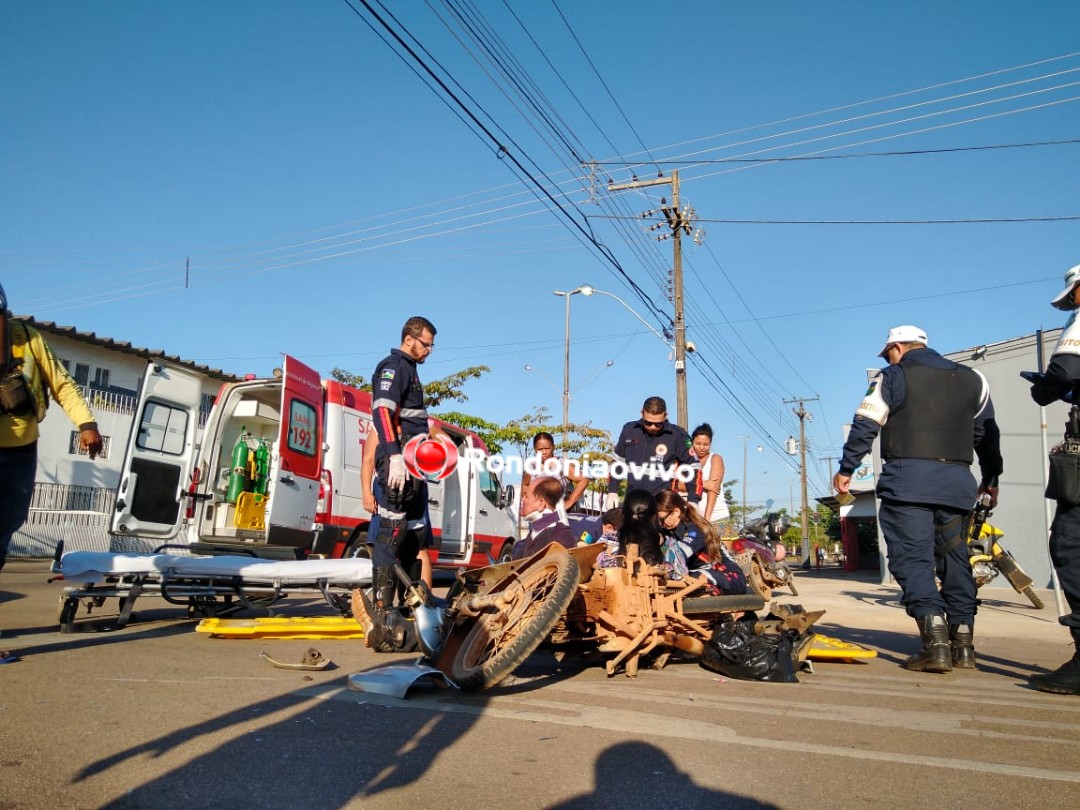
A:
(292, 751)
(637, 774)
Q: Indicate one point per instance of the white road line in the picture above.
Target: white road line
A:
(641, 724)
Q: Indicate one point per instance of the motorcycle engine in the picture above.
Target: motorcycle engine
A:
(984, 572)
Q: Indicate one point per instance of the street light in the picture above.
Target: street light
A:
(586, 289)
(566, 361)
(744, 446)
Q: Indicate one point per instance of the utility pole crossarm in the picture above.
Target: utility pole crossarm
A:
(656, 181)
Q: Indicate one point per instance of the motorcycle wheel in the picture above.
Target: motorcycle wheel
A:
(1029, 592)
(499, 642)
(756, 579)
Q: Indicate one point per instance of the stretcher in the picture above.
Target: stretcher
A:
(206, 586)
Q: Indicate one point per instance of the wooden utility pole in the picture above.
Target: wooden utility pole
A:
(802, 413)
(679, 222)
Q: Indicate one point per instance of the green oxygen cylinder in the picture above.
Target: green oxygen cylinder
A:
(238, 475)
(262, 467)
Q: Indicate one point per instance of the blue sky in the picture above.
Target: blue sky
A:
(323, 193)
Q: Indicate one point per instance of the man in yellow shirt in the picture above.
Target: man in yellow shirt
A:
(29, 374)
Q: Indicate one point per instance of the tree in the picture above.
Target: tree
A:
(436, 392)
(584, 440)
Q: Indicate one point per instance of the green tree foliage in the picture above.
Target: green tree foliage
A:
(583, 440)
(436, 392)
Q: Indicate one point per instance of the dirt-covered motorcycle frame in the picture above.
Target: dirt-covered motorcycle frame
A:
(493, 618)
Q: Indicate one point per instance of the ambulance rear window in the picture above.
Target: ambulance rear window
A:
(303, 429)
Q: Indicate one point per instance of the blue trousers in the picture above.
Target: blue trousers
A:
(924, 540)
(1065, 553)
(17, 468)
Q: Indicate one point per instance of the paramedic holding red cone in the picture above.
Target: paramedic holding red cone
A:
(398, 413)
(934, 417)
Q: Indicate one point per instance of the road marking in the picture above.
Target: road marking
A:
(639, 723)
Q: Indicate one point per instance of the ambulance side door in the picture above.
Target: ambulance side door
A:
(160, 454)
(294, 487)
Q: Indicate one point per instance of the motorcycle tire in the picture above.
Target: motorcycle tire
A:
(1029, 592)
(755, 578)
(496, 645)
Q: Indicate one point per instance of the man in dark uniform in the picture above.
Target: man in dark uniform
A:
(398, 413)
(934, 415)
(657, 448)
(1062, 377)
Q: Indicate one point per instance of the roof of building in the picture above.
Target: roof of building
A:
(92, 338)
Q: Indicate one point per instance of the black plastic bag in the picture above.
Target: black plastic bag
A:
(737, 652)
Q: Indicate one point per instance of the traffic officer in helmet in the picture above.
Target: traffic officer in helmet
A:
(1061, 380)
(934, 417)
(398, 412)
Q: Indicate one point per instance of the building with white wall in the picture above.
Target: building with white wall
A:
(73, 495)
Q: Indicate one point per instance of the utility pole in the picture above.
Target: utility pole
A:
(679, 222)
(802, 413)
(828, 466)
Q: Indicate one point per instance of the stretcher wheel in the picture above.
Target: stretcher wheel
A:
(69, 607)
(500, 641)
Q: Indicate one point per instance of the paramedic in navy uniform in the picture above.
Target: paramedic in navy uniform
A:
(934, 416)
(650, 440)
(1062, 376)
(398, 413)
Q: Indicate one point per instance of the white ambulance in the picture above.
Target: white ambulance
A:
(183, 485)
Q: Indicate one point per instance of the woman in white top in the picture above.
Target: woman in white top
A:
(713, 506)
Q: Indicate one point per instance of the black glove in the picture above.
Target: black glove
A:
(1044, 394)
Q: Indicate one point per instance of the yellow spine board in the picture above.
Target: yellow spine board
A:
(301, 627)
(825, 648)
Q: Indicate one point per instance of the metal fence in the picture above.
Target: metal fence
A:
(78, 515)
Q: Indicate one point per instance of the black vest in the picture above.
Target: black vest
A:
(936, 420)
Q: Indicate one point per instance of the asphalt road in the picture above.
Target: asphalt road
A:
(158, 716)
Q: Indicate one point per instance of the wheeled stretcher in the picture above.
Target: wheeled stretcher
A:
(206, 586)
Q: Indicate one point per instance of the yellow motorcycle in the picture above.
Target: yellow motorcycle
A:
(988, 558)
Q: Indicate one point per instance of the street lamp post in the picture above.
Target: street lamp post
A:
(584, 290)
(744, 443)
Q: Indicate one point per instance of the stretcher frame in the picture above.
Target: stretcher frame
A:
(207, 587)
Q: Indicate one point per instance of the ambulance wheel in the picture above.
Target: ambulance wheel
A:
(500, 641)
(358, 546)
(506, 551)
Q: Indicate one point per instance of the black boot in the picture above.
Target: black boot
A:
(374, 613)
(936, 654)
(1065, 680)
(962, 640)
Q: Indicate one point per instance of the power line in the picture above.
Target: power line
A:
(974, 221)
(849, 156)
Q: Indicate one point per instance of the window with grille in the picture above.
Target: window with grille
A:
(76, 450)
